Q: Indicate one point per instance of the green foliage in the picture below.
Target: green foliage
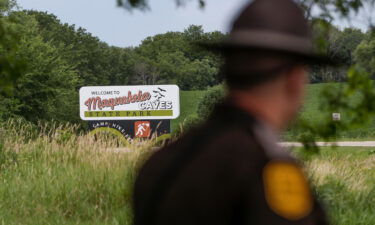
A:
(61, 59)
(54, 178)
(63, 178)
(338, 44)
(354, 100)
(343, 45)
(196, 106)
(313, 112)
(188, 108)
(11, 65)
(174, 58)
(364, 55)
(344, 181)
(95, 62)
(197, 75)
(209, 100)
(47, 89)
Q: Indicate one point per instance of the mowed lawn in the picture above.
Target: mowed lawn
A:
(189, 101)
(311, 110)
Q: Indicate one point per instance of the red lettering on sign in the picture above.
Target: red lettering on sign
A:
(96, 102)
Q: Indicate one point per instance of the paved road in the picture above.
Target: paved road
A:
(289, 144)
(340, 144)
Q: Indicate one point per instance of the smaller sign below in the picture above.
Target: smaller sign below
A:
(131, 129)
(336, 116)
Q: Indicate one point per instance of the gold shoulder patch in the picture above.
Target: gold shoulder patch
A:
(287, 191)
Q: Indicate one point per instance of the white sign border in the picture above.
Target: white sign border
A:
(176, 110)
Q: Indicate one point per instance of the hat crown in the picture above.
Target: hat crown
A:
(278, 16)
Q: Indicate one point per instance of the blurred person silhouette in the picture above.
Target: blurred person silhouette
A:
(230, 170)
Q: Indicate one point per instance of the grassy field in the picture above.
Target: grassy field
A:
(312, 111)
(58, 177)
(62, 178)
(189, 101)
(344, 180)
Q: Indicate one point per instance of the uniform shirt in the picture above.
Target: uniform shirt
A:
(229, 170)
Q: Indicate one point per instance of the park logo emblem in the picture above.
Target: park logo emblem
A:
(142, 129)
(287, 191)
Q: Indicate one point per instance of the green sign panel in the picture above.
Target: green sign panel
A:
(135, 113)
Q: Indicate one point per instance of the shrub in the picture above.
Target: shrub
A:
(212, 97)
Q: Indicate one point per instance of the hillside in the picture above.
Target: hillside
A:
(310, 111)
(189, 101)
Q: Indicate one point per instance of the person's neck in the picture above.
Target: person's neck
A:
(263, 109)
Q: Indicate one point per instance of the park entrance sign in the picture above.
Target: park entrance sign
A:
(129, 102)
(130, 111)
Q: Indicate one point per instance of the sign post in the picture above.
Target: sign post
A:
(131, 111)
(336, 117)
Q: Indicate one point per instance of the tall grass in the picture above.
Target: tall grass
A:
(56, 176)
(344, 179)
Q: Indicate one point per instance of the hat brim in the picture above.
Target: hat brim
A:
(304, 56)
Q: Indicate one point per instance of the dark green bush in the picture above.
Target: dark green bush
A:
(212, 97)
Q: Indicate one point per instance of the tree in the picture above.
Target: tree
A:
(47, 90)
(145, 73)
(364, 56)
(119, 65)
(174, 57)
(343, 45)
(339, 45)
(60, 59)
(95, 62)
(11, 66)
(197, 75)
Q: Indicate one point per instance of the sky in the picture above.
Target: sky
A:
(119, 27)
(122, 28)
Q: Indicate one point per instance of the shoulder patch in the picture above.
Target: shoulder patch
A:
(287, 191)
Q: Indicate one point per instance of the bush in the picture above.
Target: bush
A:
(209, 100)
(188, 123)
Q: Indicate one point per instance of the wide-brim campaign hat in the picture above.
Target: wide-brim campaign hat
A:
(274, 26)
